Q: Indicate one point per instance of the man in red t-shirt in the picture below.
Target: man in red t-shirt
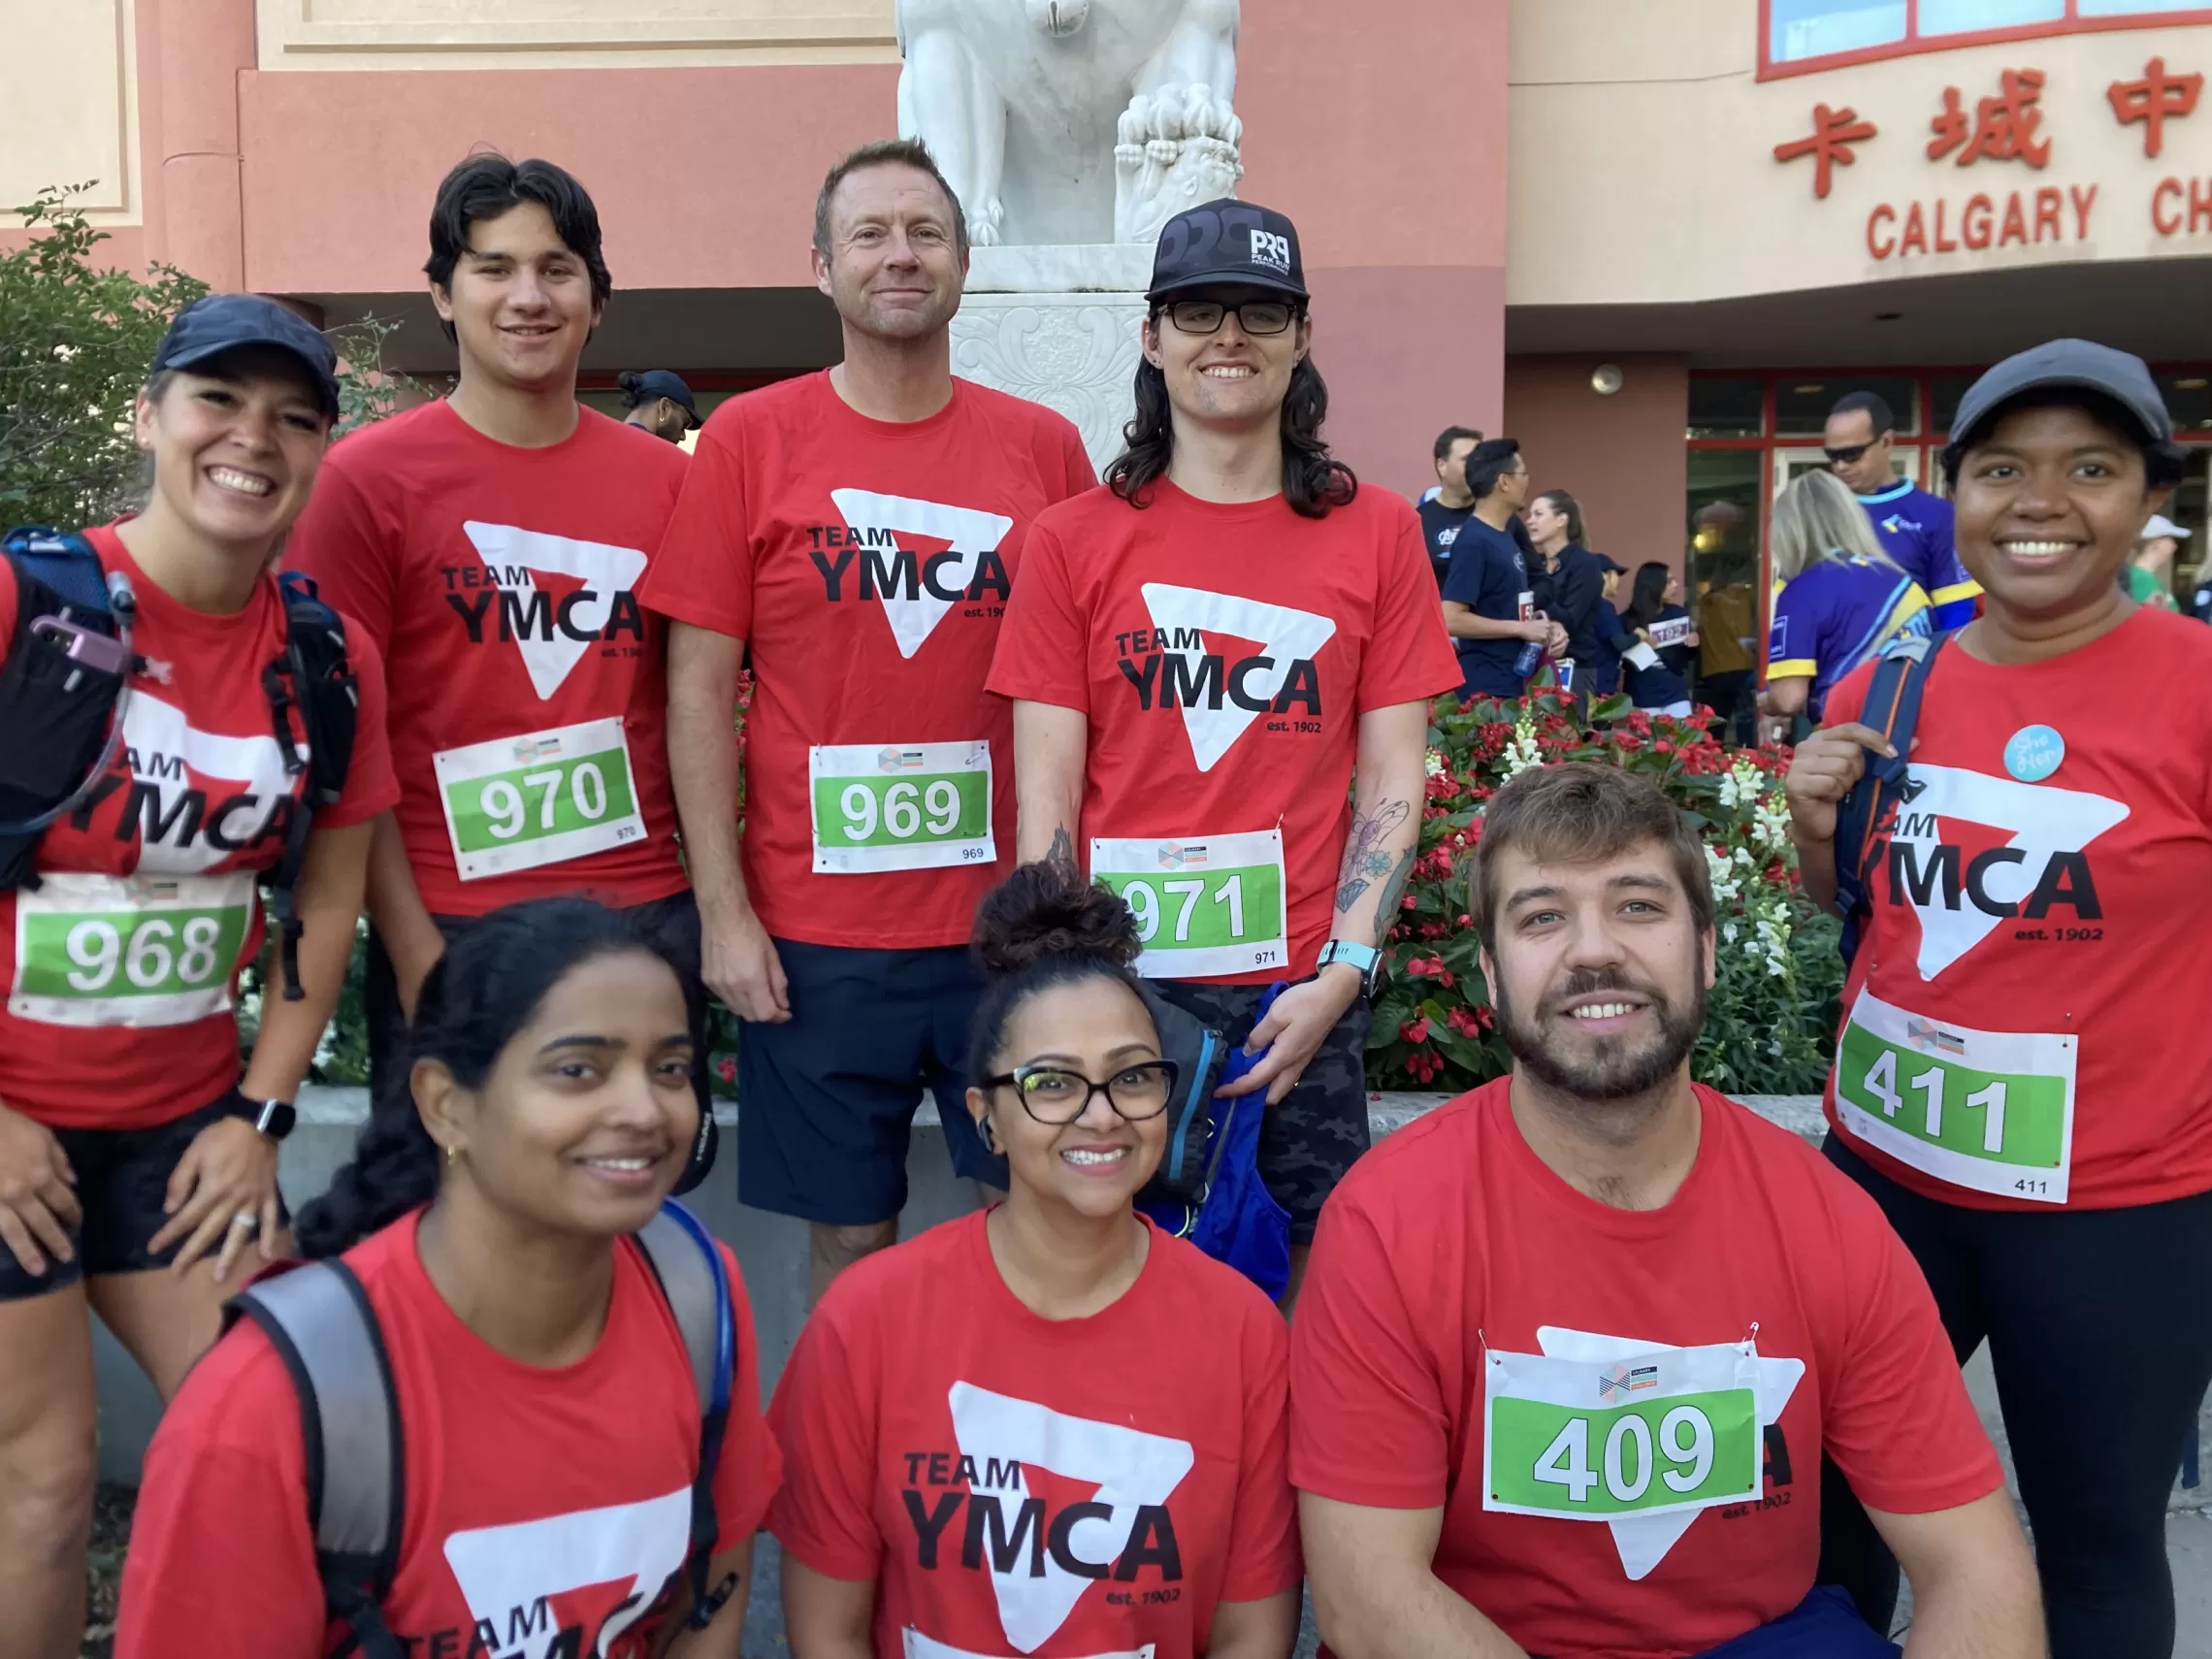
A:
(492, 543)
(1572, 1346)
(856, 533)
(1202, 657)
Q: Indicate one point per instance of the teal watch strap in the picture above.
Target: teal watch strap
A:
(1365, 958)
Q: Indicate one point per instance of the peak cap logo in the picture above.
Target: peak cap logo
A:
(1271, 249)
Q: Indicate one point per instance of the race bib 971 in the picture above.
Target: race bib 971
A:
(1205, 905)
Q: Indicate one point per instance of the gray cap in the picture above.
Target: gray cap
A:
(2081, 364)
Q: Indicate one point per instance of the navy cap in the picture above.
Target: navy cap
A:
(1224, 243)
(209, 327)
(1610, 566)
(2078, 364)
(662, 383)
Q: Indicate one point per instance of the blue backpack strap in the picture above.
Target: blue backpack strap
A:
(64, 563)
(313, 676)
(687, 1261)
(318, 1318)
(1892, 708)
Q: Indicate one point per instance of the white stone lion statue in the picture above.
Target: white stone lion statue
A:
(1073, 120)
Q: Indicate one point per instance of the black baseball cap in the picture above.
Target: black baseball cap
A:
(2078, 364)
(1607, 563)
(664, 383)
(209, 327)
(1227, 241)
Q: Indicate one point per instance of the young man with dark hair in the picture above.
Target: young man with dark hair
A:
(1489, 599)
(1448, 506)
(1220, 667)
(1913, 527)
(1572, 1346)
(857, 532)
(492, 543)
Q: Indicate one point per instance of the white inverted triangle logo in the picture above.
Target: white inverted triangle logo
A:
(969, 534)
(1283, 636)
(2043, 820)
(511, 553)
(1131, 1469)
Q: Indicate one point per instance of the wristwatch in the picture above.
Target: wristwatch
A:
(272, 1118)
(1365, 958)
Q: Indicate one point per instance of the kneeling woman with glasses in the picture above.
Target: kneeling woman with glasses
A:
(1047, 1428)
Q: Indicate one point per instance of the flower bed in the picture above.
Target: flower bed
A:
(1771, 1025)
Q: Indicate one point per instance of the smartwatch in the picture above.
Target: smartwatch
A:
(1365, 958)
(272, 1118)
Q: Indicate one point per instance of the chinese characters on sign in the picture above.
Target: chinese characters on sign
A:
(2009, 127)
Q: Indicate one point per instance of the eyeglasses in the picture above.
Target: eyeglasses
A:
(1254, 317)
(1850, 452)
(1057, 1096)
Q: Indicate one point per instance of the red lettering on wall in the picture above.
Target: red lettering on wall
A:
(2158, 221)
(2199, 205)
(1915, 237)
(2152, 99)
(1943, 243)
(1882, 249)
(2083, 202)
(2003, 128)
(2048, 202)
(1834, 133)
(2015, 222)
(1974, 224)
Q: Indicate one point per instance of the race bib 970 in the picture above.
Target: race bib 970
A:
(544, 797)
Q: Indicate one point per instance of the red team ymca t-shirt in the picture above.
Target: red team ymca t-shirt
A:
(1223, 654)
(501, 584)
(121, 1014)
(545, 1509)
(2032, 896)
(866, 564)
(1017, 1484)
(1453, 1258)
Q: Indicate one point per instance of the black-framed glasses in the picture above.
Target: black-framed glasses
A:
(1054, 1095)
(1254, 317)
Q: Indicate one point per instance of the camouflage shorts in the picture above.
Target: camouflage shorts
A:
(1308, 1142)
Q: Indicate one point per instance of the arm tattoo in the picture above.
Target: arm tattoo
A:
(1062, 849)
(1366, 860)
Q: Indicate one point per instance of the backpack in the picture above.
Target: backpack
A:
(317, 1316)
(65, 682)
(1892, 709)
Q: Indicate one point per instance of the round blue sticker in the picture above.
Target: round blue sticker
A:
(2034, 753)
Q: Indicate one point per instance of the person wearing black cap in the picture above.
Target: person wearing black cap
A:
(1605, 661)
(1199, 652)
(2032, 1116)
(659, 402)
(493, 542)
(138, 1163)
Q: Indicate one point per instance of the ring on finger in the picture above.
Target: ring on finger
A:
(246, 1219)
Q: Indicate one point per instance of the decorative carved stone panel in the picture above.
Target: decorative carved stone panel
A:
(1076, 353)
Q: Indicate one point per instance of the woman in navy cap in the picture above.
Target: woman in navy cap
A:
(2009, 1084)
(137, 1166)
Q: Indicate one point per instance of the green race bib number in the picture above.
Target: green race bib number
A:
(516, 803)
(1206, 905)
(917, 806)
(95, 950)
(1672, 1430)
(1992, 1111)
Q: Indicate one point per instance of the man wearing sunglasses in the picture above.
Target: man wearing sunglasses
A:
(1913, 527)
(1201, 656)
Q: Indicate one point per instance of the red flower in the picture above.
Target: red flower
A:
(726, 1068)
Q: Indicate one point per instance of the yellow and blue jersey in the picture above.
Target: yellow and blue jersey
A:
(1916, 531)
(1837, 614)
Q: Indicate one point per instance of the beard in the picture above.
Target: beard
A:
(1605, 1068)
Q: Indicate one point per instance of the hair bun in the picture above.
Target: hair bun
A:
(629, 380)
(1045, 910)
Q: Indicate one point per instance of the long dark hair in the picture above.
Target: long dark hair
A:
(1313, 480)
(1650, 594)
(1562, 501)
(489, 985)
(1044, 926)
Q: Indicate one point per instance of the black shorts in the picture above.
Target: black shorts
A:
(826, 1102)
(122, 1178)
(1309, 1141)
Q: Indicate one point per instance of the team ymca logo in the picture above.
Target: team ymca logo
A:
(565, 1587)
(553, 596)
(1048, 1505)
(1223, 662)
(1968, 852)
(1271, 251)
(194, 797)
(882, 555)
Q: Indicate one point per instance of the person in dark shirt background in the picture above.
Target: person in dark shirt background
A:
(1489, 607)
(1655, 640)
(1448, 506)
(1569, 583)
(1605, 666)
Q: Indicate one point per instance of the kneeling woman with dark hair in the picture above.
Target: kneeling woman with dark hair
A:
(548, 1411)
(1049, 1423)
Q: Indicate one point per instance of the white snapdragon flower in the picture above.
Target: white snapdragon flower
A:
(1773, 941)
(1523, 752)
(1770, 826)
(1435, 764)
(1727, 887)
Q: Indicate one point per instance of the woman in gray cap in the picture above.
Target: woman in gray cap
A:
(2034, 1120)
(173, 720)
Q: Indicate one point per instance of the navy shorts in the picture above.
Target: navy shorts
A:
(122, 1178)
(826, 1102)
(1319, 1129)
